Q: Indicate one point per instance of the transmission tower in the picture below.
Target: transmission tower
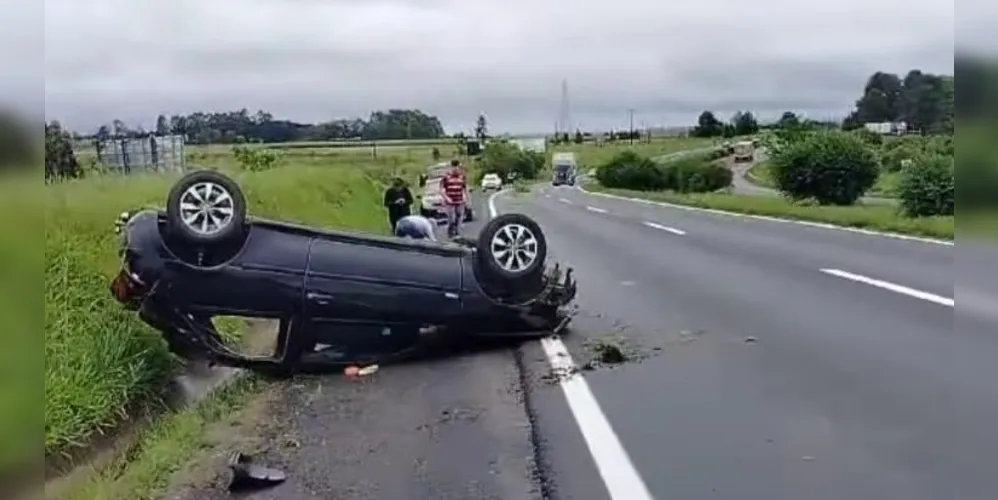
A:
(564, 117)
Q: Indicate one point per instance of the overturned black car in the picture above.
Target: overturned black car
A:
(340, 298)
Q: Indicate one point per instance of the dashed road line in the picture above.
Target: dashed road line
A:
(595, 209)
(667, 229)
(565, 201)
(894, 287)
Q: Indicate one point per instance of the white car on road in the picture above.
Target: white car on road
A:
(491, 181)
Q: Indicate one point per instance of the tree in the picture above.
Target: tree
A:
(60, 160)
(881, 100)
(119, 127)
(745, 123)
(926, 102)
(788, 120)
(162, 126)
(481, 128)
(833, 168)
(708, 125)
(579, 138)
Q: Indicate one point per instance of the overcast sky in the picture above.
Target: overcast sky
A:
(312, 60)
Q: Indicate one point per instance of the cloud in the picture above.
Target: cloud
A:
(314, 60)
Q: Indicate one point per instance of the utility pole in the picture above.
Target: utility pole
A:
(630, 115)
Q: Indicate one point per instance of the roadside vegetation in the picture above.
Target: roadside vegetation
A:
(823, 170)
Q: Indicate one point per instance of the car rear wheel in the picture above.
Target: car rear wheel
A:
(206, 207)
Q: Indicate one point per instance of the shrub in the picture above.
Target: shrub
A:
(696, 175)
(895, 158)
(629, 170)
(256, 159)
(833, 168)
(510, 161)
(928, 186)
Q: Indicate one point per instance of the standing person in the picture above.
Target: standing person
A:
(455, 188)
(416, 227)
(398, 200)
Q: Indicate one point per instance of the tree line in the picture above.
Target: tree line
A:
(233, 127)
(924, 101)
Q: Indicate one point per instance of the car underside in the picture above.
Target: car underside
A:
(339, 298)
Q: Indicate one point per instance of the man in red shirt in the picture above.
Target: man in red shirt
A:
(455, 188)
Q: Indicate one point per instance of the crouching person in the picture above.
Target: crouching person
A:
(416, 227)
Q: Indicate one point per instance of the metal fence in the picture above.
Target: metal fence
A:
(142, 154)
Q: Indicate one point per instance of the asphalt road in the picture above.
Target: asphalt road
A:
(795, 361)
(783, 361)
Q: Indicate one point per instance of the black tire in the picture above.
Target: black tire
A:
(500, 269)
(183, 192)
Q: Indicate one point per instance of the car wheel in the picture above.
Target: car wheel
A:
(512, 247)
(206, 207)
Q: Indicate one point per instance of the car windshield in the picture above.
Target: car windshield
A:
(562, 168)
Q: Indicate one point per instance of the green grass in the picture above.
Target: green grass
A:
(880, 218)
(99, 359)
(886, 186)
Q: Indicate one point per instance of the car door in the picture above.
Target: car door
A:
(364, 291)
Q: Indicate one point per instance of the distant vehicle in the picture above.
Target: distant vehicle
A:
(744, 151)
(431, 200)
(341, 298)
(491, 181)
(565, 169)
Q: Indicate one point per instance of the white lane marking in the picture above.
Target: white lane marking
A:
(621, 478)
(886, 285)
(595, 209)
(565, 200)
(668, 229)
(821, 225)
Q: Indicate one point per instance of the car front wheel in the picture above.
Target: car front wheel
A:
(512, 247)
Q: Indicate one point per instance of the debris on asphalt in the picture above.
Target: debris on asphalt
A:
(356, 372)
(248, 476)
(749, 340)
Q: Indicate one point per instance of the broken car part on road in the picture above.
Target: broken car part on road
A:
(341, 298)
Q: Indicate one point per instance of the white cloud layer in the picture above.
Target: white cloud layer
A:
(321, 59)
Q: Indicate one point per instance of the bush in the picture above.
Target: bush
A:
(510, 161)
(833, 168)
(696, 175)
(629, 170)
(895, 158)
(928, 187)
(256, 159)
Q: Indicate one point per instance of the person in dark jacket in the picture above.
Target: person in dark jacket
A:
(398, 201)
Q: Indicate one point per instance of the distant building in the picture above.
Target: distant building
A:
(887, 128)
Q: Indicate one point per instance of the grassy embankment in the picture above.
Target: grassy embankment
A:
(874, 217)
(104, 367)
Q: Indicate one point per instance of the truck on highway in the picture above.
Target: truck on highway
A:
(565, 169)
